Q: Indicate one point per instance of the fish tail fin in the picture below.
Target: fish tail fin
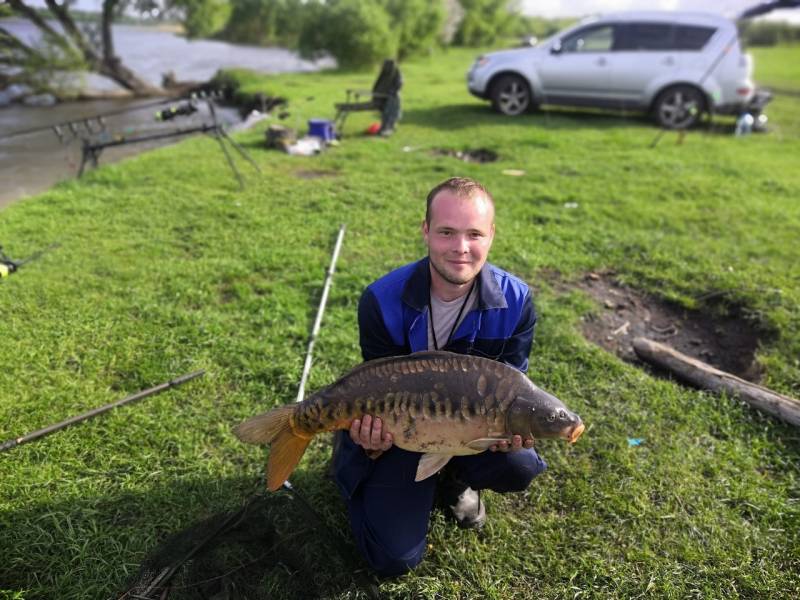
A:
(286, 447)
(263, 429)
(285, 452)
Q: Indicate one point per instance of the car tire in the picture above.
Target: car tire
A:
(679, 107)
(511, 95)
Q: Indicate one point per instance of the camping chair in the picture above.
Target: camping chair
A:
(384, 97)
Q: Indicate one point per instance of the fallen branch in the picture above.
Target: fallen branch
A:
(704, 376)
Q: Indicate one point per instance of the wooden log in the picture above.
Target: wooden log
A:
(704, 376)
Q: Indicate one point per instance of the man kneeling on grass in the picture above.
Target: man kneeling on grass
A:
(450, 300)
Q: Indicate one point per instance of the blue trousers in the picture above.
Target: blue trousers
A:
(389, 511)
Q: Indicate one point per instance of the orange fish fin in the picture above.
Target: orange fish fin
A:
(482, 444)
(285, 452)
(430, 464)
(262, 429)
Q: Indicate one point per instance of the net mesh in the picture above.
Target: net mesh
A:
(275, 546)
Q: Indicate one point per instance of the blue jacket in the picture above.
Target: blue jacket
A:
(393, 321)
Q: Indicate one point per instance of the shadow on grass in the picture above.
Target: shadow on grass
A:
(261, 545)
(461, 116)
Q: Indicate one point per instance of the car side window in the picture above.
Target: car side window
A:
(692, 37)
(590, 39)
(644, 37)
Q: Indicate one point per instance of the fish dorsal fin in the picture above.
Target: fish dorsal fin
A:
(482, 444)
(431, 463)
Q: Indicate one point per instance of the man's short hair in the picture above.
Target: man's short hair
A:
(463, 187)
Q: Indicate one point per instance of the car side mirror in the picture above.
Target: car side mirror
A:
(556, 47)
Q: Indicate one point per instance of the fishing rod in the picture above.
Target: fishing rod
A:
(92, 149)
(85, 121)
(367, 586)
(326, 286)
(9, 265)
(45, 431)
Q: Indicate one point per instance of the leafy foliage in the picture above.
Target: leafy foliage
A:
(358, 33)
(416, 23)
(485, 21)
(203, 18)
(44, 64)
(268, 22)
(768, 33)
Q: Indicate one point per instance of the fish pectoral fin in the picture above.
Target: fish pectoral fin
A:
(482, 444)
(430, 463)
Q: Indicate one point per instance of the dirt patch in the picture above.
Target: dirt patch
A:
(725, 339)
(314, 173)
(481, 155)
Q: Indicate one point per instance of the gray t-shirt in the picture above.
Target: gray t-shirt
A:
(444, 315)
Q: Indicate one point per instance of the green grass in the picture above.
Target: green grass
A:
(166, 267)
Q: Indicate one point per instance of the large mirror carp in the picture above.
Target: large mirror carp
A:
(438, 403)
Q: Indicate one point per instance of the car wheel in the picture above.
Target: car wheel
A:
(511, 95)
(679, 107)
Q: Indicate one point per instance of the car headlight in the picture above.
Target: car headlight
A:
(481, 61)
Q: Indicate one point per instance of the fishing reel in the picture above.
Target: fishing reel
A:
(180, 110)
(7, 265)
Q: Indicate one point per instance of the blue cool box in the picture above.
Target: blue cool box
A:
(321, 128)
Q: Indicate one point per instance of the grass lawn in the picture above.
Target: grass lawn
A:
(166, 267)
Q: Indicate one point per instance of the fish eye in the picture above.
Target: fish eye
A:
(562, 414)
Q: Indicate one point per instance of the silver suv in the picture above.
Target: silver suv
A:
(674, 65)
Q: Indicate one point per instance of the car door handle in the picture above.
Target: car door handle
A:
(600, 62)
(669, 61)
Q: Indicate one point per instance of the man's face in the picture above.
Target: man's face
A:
(458, 236)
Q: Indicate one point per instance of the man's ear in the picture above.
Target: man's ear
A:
(425, 230)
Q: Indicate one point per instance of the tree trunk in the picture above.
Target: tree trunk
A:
(110, 64)
(122, 75)
(706, 377)
(102, 61)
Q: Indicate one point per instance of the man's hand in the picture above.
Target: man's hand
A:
(368, 433)
(516, 444)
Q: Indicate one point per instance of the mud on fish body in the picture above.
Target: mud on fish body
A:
(438, 403)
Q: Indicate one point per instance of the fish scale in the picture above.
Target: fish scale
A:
(437, 403)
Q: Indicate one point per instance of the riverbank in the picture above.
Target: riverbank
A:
(31, 164)
(165, 267)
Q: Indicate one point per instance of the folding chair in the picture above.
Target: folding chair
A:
(384, 97)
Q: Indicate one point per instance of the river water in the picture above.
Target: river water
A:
(30, 164)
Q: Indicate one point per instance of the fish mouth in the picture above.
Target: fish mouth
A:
(576, 433)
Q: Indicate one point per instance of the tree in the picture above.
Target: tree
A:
(416, 23)
(485, 21)
(202, 18)
(356, 32)
(69, 46)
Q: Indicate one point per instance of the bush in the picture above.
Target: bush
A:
(539, 27)
(203, 18)
(356, 32)
(765, 33)
(268, 22)
(416, 23)
(485, 21)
